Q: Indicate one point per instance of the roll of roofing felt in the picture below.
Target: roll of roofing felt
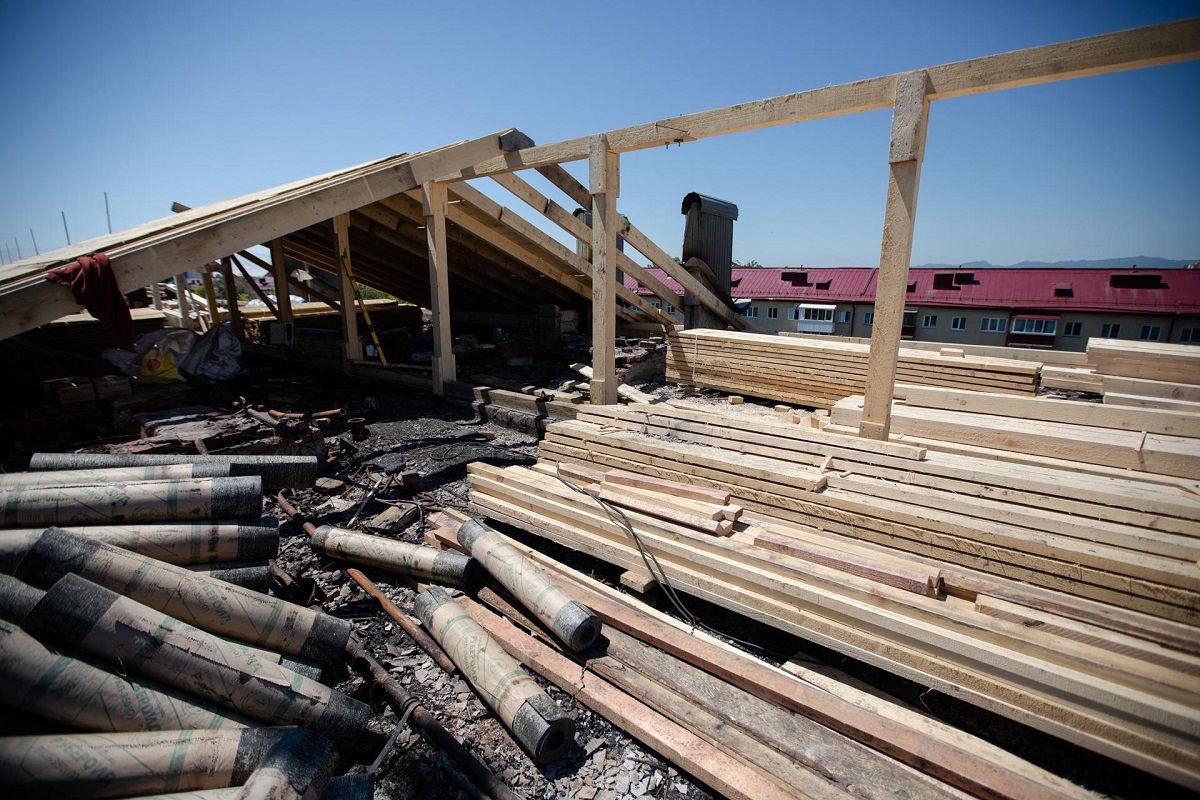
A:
(119, 631)
(86, 477)
(535, 720)
(197, 599)
(277, 472)
(125, 764)
(153, 501)
(442, 566)
(297, 766)
(572, 621)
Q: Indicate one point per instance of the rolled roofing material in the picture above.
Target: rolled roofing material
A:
(277, 472)
(535, 720)
(421, 561)
(297, 767)
(152, 501)
(120, 631)
(86, 477)
(572, 622)
(194, 598)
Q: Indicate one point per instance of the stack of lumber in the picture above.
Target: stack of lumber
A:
(745, 728)
(1115, 681)
(1149, 374)
(1062, 358)
(817, 373)
(1095, 434)
(1095, 534)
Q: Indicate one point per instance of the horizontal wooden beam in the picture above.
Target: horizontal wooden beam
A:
(1151, 46)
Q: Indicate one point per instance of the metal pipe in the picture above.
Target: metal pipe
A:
(406, 623)
(277, 472)
(296, 767)
(404, 703)
(571, 621)
(122, 632)
(174, 543)
(124, 764)
(535, 720)
(215, 606)
(85, 477)
(78, 694)
(153, 501)
(419, 561)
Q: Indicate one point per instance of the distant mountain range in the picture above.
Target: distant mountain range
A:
(1142, 262)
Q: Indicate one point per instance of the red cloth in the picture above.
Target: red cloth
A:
(90, 278)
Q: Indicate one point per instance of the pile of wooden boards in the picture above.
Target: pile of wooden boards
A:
(745, 728)
(1143, 440)
(817, 373)
(1149, 374)
(1117, 681)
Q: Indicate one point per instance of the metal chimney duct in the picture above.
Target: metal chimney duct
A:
(708, 234)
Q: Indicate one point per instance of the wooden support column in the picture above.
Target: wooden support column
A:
(351, 347)
(283, 295)
(181, 298)
(156, 295)
(433, 205)
(605, 186)
(910, 117)
(210, 297)
(231, 299)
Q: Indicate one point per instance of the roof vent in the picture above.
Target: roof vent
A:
(1063, 290)
(1136, 280)
(912, 287)
(795, 278)
(944, 280)
(965, 278)
(822, 285)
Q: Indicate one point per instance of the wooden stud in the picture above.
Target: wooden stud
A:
(231, 299)
(283, 295)
(210, 295)
(910, 117)
(351, 346)
(605, 186)
(181, 297)
(433, 206)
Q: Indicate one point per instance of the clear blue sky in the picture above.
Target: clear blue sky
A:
(197, 102)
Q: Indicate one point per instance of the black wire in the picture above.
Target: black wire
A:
(657, 572)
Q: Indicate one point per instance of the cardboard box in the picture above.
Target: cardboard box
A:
(111, 386)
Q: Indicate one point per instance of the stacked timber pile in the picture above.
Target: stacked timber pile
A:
(1068, 599)
(747, 729)
(1148, 374)
(818, 374)
(1144, 440)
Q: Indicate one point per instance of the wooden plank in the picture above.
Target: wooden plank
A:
(1158, 403)
(351, 346)
(1066, 411)
(605, 186)
(1098, 55)
(621, 477)
(433, 205)
(1063, 358)
(283, 297)
(1168, 390)
(231, 299)
(638, 502)
(910, 580)
(1156, 361)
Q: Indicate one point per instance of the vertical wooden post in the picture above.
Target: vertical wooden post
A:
(231, 299)
(605, 187)
(910, 118)
(433, 203)
(351, 347)
(156, 295)
(283, 293)
(210, 296)
(181, 298)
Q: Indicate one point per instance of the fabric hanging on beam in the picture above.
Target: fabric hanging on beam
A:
(91, 280)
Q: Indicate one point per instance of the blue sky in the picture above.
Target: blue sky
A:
(196, 102)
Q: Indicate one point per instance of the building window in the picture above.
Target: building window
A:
(958, 324)
(930, 321)
(1039, 327)
(657, 303)
(1110, 331)
(1189, 336)
(993, 324)
(1151, 333)
(750, 311)
(1073, 329)
(818, 314)
(670, 308)
(793, 314)
(869, 318)
(845, 317)
(772, 313)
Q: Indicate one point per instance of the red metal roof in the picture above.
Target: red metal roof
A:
(1018, 288)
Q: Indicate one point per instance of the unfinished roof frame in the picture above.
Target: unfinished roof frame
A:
(909, 95)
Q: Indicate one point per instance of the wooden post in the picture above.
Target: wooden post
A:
(156, 295)
(210, 297)
(433, 204)
(283, 295)
(910, 118)
(181, 298)
(231, 299)
(605, 186)
(351, 347)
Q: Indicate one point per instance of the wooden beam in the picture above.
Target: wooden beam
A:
(210, 294)
(433, 205)
(910, 118)
(1151, 46)
(248, 281)
(351, 347)
(605, 186)
(282, 298)
(231, 299)
(185, 311)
